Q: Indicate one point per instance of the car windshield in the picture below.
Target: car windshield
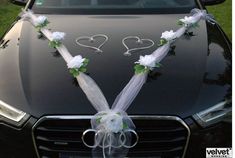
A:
(113, 6)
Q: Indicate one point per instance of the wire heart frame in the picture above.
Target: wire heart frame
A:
(91, 39)
(138, 41)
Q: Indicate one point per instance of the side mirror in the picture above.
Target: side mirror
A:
(212, 2)
(19, 2)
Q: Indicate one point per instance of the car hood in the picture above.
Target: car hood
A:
(48, 87)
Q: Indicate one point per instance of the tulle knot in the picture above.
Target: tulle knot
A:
(112, 130)
(112, 121)
(26, 15)
(204, 15)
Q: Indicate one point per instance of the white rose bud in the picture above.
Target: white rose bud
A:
(188, 20)
(76, 62)
(40, 20)
(58, 36)
(147, 61)
(168, 35)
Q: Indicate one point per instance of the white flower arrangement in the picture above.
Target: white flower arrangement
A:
(58, 36)
(56, 39)
(41, 22)
(187, 21)
(145, 63)
(168, 35)
(77, 65)
(76, 62)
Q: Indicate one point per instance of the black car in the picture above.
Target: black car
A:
(184, 108)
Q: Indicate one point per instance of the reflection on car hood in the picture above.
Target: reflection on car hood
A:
(172, 89)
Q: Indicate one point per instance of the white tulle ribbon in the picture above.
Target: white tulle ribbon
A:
(112, 127)
(203, 15)
(93, 92)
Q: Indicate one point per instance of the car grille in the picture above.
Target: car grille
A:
(159, 137)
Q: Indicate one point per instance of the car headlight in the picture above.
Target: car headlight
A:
(214, 114)
(12, 115)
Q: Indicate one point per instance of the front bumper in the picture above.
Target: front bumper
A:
(17, 143)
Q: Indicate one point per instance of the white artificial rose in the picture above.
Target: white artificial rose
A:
(40, 20)
(112, 122)
(188, 20)
(58, 36)
(76, 62)
(168, 35)
(147, 61)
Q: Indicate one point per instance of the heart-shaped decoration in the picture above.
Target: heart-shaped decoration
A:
(92, 39)
(138, 41)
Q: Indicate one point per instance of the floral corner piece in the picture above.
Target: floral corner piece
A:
(77, 65)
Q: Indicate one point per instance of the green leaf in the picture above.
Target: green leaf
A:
(74, 72)
(180, 23)
(82, 69)
(146, 70)
(98, 120)
(54, 44)
(39, 27)
(51, 44)
(139, 69)
(162, 42)
(85, 62)
(124, 125)
(46, 23)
